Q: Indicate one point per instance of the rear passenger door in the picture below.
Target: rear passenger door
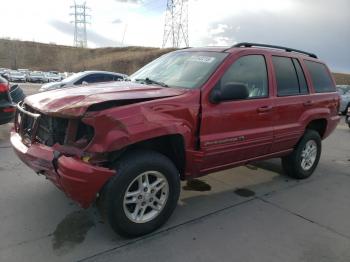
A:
(291, 101)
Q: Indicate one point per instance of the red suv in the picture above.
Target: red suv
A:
(186, 114)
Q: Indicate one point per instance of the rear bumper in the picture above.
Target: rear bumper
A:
(5, 116)
(79, 180)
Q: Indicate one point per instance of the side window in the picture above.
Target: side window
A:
(89, 79)
(107, 78)
(286, 76)
(117, 78)
(301, 77)
(100, 78)
(95, 78)
(320, 77)
(251, 71)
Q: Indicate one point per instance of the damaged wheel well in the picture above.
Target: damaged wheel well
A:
(172, 146)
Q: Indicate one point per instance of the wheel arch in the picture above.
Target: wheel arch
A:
(319, 125)
(172, 146)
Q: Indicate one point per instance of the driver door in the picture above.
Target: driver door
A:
(235, 131)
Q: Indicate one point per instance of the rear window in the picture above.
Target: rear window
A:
(320, 77)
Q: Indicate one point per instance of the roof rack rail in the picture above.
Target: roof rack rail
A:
(246, 44)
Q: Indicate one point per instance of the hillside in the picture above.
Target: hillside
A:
(37, 56)
(342, 79)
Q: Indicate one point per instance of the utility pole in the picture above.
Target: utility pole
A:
(176, 23)
(80, 21)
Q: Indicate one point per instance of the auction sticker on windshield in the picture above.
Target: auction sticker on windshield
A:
(202, 59)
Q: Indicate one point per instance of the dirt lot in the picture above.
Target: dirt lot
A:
(251, 213)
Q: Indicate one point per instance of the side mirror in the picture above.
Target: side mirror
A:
(84, 83)
(230, 91)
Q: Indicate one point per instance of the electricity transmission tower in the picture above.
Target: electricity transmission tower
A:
(176, 23)
(80, 21)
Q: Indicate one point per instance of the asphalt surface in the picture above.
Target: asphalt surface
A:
(250, 213)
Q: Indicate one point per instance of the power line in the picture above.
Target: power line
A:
(176, 23)
(80, 21)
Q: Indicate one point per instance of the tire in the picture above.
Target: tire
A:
(293, 163)
(129, 169)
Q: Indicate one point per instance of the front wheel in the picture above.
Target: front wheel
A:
(302, 162)
(142, 195)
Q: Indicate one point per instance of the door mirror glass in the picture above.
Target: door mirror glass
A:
(228, 92)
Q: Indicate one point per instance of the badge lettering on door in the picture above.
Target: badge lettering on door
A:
(226, 140)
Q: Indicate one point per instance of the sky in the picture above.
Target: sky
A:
(317, 26)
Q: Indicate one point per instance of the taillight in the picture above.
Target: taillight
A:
(4, 87)
(9, 109)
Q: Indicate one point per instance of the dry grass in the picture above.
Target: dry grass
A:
(341, 78)
(37, 56)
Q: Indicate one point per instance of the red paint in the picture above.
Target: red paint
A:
(4, 87)
(224, 135)
(9, 109)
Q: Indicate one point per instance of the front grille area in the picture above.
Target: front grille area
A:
(50, 130)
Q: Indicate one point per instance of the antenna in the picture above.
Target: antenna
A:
(176, 23)
(80, 21)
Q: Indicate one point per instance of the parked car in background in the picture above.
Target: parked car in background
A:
(347, 117)
(84, 78)
(7, 109)
(36, 77)
(344, 92)
(16, 76)
(3, 71)
(52, 77)
(187, 114)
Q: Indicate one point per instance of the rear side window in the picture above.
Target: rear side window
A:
(320, 77)
(286, 76)
(251, 71)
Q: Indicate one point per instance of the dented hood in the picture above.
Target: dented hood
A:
(73, 102)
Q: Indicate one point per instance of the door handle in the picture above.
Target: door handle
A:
(264, 109)
(308, 103)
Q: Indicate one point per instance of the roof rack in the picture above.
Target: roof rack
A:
(245, 44)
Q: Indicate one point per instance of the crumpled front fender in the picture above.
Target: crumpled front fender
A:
(117, 128)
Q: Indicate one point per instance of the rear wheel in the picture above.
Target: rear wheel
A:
(302, 162)
(142, 195)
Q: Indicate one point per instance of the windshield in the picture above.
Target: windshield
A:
(73, 77)
(180, 69)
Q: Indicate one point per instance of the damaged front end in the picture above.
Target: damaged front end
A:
(72, 136)
(54, 147)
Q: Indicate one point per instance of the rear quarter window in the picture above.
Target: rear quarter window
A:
(320, 77)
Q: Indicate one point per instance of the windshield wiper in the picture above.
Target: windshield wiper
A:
(151, 81)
